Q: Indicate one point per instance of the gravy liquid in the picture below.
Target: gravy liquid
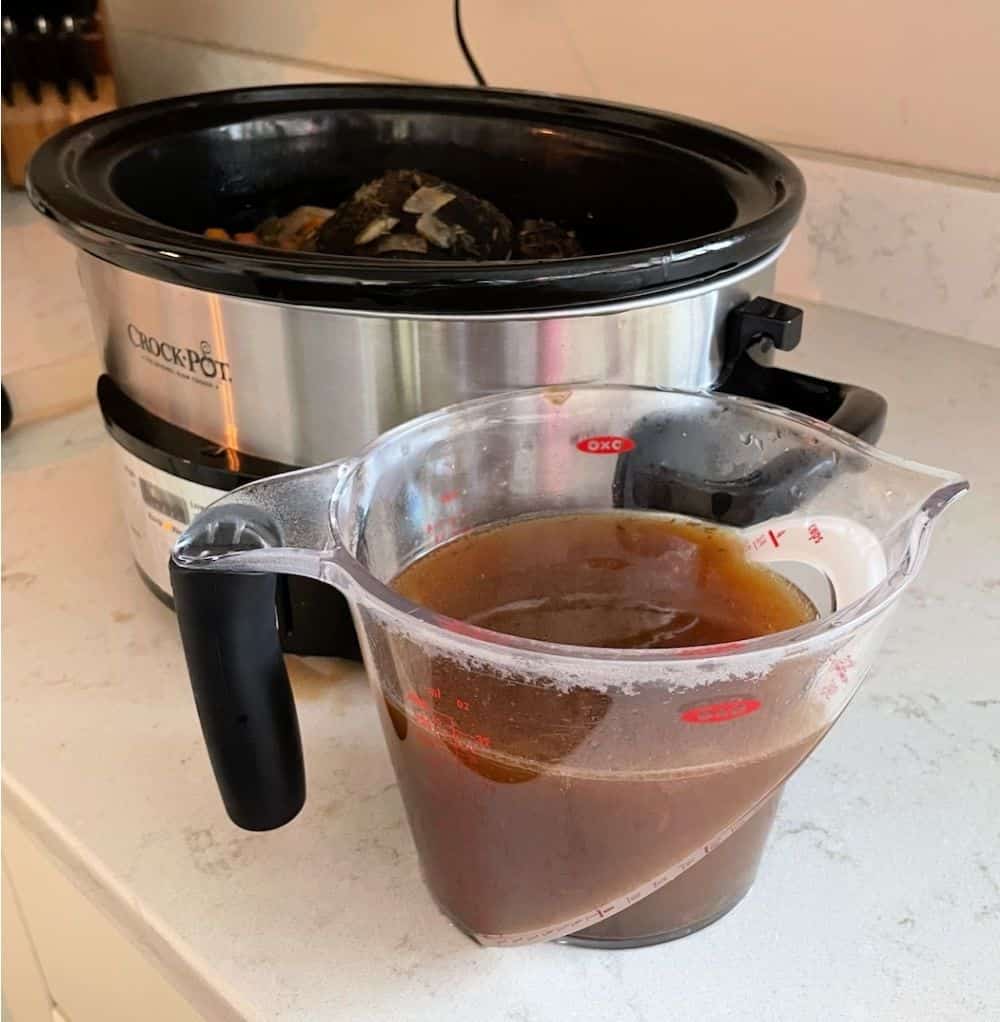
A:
(542, 810)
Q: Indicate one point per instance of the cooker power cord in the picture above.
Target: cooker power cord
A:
(464, 46)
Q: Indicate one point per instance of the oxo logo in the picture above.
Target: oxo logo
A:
(605, 444)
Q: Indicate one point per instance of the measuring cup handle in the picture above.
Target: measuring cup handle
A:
(847, 553)
(224, 571)
(241, 691)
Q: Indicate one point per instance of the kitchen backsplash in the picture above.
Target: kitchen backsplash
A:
(877, 80)
(914, 247)
(150, 67)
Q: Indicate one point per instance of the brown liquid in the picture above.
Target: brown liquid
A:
(535, 805)
(619, 580)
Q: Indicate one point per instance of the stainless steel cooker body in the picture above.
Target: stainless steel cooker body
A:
(303, 385)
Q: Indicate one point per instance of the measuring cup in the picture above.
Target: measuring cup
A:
(604, 796)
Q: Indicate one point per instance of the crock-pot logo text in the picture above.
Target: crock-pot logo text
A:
(197, 364)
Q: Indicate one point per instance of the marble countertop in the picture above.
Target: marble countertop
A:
(50, 362)
(879, 897)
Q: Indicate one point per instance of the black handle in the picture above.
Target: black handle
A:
(76, 57)
(26, 67)
(761, 324)
(241, 688)
(51, 67)
(665, 471)
(855, 410)
(10, 45)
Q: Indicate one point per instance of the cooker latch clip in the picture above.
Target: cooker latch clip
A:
(765, 322)
(761, 324)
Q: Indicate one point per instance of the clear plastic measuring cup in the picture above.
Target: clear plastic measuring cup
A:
(555, 791)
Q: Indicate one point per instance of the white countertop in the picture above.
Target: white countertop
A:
(50, 361)
(879, 896)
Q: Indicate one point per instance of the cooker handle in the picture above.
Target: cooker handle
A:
(760, 324)
(855, 410)
(778, 487)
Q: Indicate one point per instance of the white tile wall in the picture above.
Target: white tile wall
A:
(891, 79)
(401, 38)
(149, 66)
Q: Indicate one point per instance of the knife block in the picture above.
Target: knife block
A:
(31, 115)
(27, 124)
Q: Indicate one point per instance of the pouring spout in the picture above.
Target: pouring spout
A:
(943, 496)
(947, 488)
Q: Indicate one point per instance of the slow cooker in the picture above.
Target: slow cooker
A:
(225, 362)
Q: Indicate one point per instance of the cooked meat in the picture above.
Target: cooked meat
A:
(542, 239)
(411, 204)
(410, 214)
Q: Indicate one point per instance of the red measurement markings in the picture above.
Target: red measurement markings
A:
(774, 537)
(717, 713)
(840, 668)
(605, 444)
(446, 527)
(423, 698)
(425, 720)
(814, 534)
(433, 720)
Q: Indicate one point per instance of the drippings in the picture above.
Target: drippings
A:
(534, 806)
(619, 580)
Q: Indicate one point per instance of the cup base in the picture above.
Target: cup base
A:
(623, 943)
(702, 894)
